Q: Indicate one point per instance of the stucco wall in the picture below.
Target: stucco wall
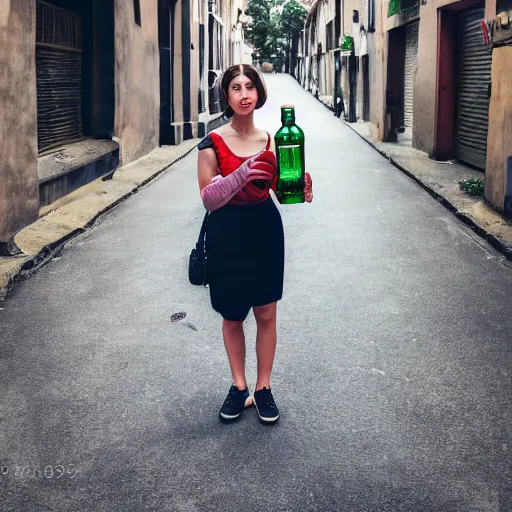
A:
(425, 85)
(348, 7)
(377, 55)
(499, 145)
(137, 75)
(194, 70)
(19, 192)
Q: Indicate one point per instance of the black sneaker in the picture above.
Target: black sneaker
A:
(235, 403)
(265, 405)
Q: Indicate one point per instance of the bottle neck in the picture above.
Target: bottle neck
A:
(288, 116)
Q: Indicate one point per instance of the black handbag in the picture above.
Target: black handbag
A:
(197, 260)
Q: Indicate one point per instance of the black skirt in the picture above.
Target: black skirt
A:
(245, 250)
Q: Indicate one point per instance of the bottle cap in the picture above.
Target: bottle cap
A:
(288, 106)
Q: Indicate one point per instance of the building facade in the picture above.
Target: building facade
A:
(92, 84)
(431, 74)
(455, 100)
(334, 54)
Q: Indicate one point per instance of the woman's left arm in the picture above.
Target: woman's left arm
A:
(308, 182)
(274, 181)
(308, 188)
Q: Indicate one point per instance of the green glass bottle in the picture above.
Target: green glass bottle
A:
(290, 158)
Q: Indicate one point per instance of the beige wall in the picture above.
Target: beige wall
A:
(490, 10)
(348, 7)
(499, 138)
(425, 85)
(137, 79)
(194, 71)
(378, 56)
(19, 186)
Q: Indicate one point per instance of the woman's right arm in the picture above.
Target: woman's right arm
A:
(216, 191)
(207, 167)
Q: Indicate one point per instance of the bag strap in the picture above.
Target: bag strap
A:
(202, 233)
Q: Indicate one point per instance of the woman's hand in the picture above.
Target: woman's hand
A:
(263, 167)
(308, 188)
(222, 189)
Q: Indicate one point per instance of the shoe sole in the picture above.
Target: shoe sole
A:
(262, 418)
(248, 402)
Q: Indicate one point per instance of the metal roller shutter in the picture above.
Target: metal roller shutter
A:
(59, 76)
(474, 80)
(411, 64)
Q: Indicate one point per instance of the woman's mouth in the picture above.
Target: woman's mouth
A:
(245, 105)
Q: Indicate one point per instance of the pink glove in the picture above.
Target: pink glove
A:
(222, 189)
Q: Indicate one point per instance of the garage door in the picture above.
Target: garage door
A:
(59, 76)
(474, 80)
(411, 65)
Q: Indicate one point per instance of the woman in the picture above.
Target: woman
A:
(245, 242)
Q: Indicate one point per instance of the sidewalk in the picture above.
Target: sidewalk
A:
(441, 180)
(75, 213)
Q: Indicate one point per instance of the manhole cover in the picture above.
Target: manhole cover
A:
(178, 316)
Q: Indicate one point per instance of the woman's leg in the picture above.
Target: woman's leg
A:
(266, 339)
(234, 341)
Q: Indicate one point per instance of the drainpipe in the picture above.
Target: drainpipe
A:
(508, 190)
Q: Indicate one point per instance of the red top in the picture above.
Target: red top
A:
(229, 162)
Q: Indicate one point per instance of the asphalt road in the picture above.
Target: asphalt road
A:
(393, 369)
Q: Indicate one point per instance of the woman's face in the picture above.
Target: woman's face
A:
(242, 95)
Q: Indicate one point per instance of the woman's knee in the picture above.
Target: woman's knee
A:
(265, 314)
(232, 325)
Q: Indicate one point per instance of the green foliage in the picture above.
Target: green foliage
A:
(261, 32)
(472, 186)
(268, 25)
(348, 43)
(394, 7)
(293, 17)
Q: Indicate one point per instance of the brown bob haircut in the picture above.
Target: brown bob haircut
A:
(253, 75)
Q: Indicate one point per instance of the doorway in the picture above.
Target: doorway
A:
(166, 18)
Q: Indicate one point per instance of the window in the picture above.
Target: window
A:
(370, 9)
(136, 10)
(329, 36)
(59, 76)
(312, 34)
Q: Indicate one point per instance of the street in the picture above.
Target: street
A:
(392, 374)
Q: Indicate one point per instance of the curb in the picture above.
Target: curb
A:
(500, 246)
(495, 242)
(34, 262)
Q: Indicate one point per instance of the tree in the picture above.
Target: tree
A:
(269, 22)
(292, 19)
(263, 30)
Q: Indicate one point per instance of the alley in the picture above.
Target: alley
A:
(392, 372)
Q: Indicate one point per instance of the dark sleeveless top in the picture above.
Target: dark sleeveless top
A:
(229, 162)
